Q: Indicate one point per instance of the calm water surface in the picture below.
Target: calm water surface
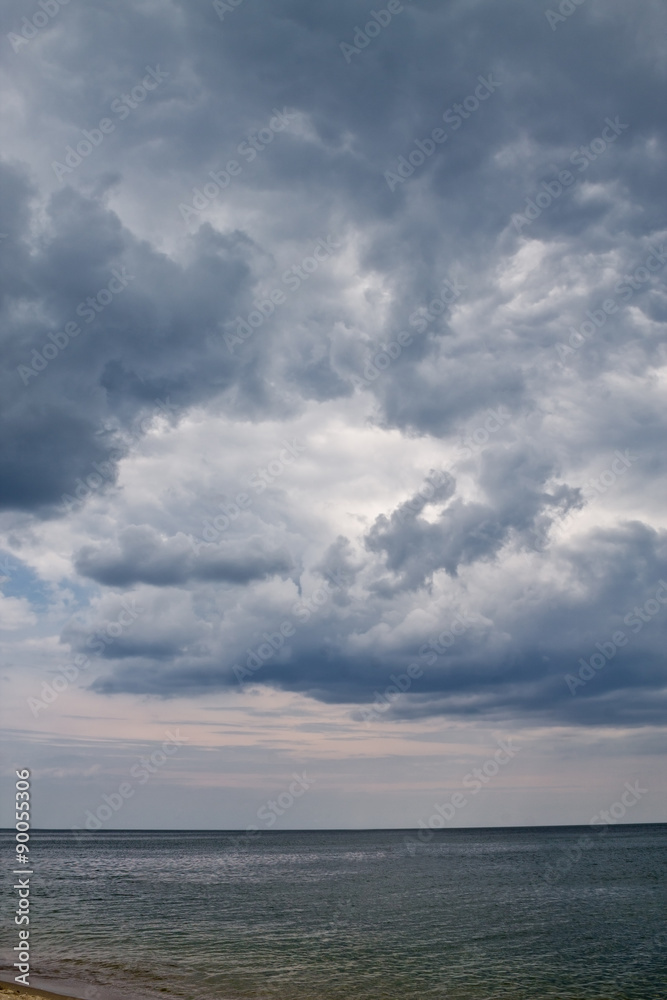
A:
(505, 914)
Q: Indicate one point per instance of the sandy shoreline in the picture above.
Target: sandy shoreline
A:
(12, 991)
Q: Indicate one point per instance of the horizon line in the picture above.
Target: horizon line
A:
(351, 829)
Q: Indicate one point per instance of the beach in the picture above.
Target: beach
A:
(14, 991)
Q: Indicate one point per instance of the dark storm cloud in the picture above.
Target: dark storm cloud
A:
(141, 556)
(466, 532)
(77, 359)
(511, 657)
(161, 335)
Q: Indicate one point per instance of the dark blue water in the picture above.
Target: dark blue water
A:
(506, 914)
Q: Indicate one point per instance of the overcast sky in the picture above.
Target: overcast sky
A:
(334, 365)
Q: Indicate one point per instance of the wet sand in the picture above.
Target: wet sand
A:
(12, 991)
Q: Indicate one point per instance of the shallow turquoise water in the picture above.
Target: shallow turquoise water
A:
(506, 914)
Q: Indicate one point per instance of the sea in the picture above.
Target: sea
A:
(574, 913)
